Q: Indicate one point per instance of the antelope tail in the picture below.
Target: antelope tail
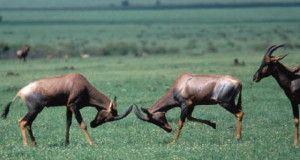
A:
(6, 108)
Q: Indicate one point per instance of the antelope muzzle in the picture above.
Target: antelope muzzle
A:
(158, 118)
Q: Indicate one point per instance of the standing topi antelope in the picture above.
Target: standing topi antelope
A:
(288, 80)
(71, 90)
(23, 53)
(190, 90)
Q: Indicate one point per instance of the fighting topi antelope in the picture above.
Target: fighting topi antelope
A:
(288, 79)
(71, 90)
(190, 90)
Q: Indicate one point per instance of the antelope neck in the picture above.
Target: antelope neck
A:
(283, 76)
(164, 104)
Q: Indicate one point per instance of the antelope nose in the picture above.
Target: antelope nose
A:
(93, 124)
(255, 77)
(167, 128)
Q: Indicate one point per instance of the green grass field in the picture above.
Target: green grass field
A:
(205, 41)
(268, 123)
(193, 31)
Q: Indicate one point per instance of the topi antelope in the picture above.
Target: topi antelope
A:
(71, 90)
(23, 53)
(190, 90)
(288, 80)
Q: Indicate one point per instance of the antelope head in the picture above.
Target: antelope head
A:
(267, 65)
(109, 114)
(157, 118)
(26, 48)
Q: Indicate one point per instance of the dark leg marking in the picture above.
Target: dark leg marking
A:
(68, 125)
(207, 122)
(296, 123)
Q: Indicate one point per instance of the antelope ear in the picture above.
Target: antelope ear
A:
(113, 104)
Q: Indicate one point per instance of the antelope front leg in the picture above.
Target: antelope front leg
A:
(296, 123)
(87, 135)
(83, 126)
(185, 111)
(178, 131)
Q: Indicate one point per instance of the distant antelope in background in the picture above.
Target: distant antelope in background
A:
(190, 90)
(288, 79)
(22, 53)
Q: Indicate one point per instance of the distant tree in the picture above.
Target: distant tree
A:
(125, 3)
(0, 18)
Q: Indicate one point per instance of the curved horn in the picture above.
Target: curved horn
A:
(115, 98)
(271, 50)
(140, 114)
(281, 57)
(124, 114)
(268, 50)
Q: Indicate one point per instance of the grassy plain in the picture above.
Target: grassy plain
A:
(195, 31)
(207, 41)
(267, 132)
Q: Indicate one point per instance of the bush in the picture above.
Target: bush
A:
(211, 48)
(120, 48)
(191, 44)
(4, 47)
(39, 51)
(72, 49)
